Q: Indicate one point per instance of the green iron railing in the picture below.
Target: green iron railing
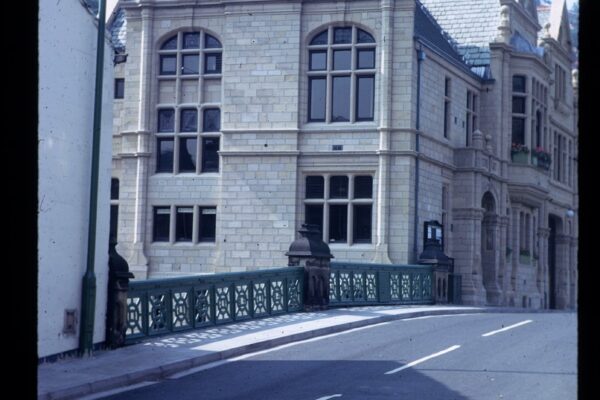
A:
(376, 284)
(163, 306)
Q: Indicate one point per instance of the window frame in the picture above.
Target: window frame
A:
(193, 96)
(326, 202)
(331, 49)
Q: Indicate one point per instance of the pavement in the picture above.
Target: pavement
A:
(160, 357)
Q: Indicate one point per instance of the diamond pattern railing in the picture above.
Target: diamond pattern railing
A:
(163, 306)
(375, 284)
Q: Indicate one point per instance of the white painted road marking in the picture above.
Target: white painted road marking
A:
(440, 316)
(329, 397)
(420, 360)
(507, 328)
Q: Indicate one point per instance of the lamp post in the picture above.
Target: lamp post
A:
(88, 292)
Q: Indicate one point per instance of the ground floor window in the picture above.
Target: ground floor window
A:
(341, 206)
(192, 224)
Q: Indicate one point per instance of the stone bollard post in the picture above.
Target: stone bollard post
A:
(433, 254)
(118, 285)
(311, 253)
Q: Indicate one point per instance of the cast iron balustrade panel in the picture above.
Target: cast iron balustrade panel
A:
(163, 306)
(181, 310)
(395, 286)
(242, 301)
(294, 295)
(359, 284)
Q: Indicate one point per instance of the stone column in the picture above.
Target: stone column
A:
(542, 283)
(573, 273)
(385, 102)
(137, 261)
(467, 239)
(562, 271)
(502, 272)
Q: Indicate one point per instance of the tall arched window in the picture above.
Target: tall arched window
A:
(189, 100)
(341, 75)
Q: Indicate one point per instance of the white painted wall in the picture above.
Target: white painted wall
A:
(67, 59)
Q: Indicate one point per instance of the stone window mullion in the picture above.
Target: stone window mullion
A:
(172, 220)
(326, 208)
(350, 219)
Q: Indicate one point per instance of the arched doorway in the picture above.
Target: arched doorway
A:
(489, 249)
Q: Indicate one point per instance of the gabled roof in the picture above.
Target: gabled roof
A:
(429, 30)
(118, 30)
(472, 24)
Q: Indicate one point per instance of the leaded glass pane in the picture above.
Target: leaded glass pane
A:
(183, 224)
(166, 120)
(321, 38)
(207, 224)
(338, 223)
(170, 44)
(519, 83)
(315, 187)
(363, 187)
(364, 37)
(342, 35)
(168, 65)
(164, 162)
(190, 64)
(338, 187)
(191, 40)
(210, 42)
(365, 98)
(340, 99)
(318, 60)
(314, 215)
(317, 96)
(189, 120)
(366, 59)
(162, 216)
(342, 59)
(362, 223)
(212, 120)
(210, 157)
(212, 63)
(187, 154)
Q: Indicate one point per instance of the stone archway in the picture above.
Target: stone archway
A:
(490, 257)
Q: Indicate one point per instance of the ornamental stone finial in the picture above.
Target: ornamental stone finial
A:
(504, 30)
(477, 139)
(575, 78)
(547, 30)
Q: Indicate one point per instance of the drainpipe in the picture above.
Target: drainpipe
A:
(420, 58)
(88, 292)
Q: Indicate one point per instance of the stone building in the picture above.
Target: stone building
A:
(237, 121)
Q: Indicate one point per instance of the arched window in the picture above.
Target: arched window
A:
(341, 75)
(188, 105)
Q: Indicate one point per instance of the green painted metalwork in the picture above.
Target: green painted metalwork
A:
(370, 284)
(163, 306)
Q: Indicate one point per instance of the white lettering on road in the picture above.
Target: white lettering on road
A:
(329, 397)
(507, 328)
(420, 360)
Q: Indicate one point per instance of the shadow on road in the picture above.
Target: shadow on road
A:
(301, 380)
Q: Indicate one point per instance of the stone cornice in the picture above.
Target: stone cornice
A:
(270, 130)
(275, 153)
(131, 133)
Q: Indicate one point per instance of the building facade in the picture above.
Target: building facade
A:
(68, 34)
(239, 120)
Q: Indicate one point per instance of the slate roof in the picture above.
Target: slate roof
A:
(118, 31)
(471, 24)
(428, 29)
